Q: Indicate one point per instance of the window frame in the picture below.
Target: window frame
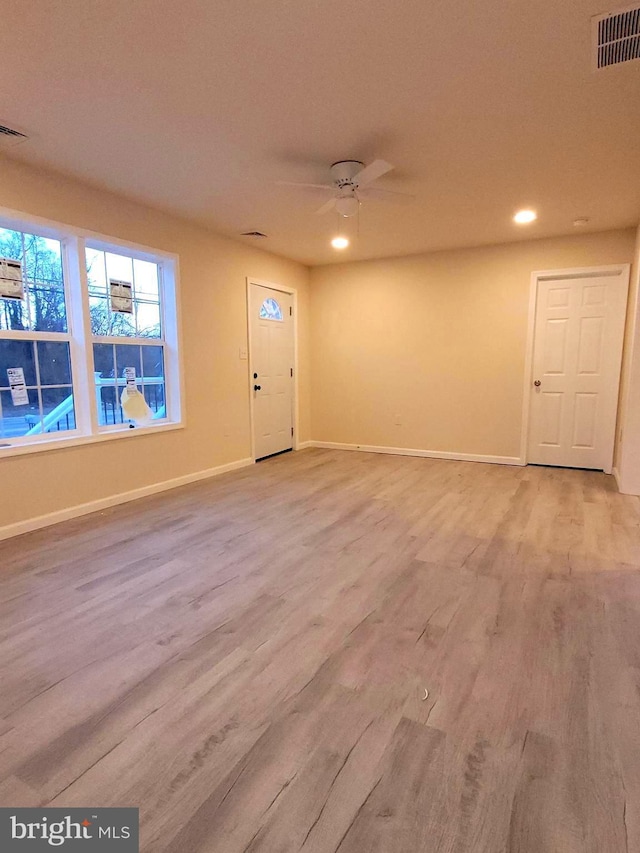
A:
(79, 335)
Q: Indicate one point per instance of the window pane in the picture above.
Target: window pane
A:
(42, 260)
(122, 325)
(96, 272)
(105, 322)
(14, 315)
(10, 244)
(128, 355)
(148, 320)
(146, 279)
(152, 362)
(154, 395)
(42, 271)
(47, 308)
(54, 369)
(106, 397)
(120, 267)
(17, 354)
(103, 364)
(270, 310)
(19, 420)
(43, 308)
(58, 409)
(54, 363)
(100, 315)
(153, 374)
(109, 411)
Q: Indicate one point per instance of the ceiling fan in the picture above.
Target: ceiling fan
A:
(350, 182)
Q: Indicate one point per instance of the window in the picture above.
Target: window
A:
(270, 310)
(72, 339)
(48, 403)
(132, 324)
(34, 338)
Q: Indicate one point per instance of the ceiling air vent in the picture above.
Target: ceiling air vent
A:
(252, 234)
(11, 136)
(616, 37)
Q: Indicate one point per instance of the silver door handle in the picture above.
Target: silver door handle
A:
(537, 383)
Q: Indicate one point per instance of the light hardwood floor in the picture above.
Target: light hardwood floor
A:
(245, 659)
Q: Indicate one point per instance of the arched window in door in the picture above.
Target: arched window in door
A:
(270, 310)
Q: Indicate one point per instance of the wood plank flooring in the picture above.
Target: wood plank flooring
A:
(246, 659)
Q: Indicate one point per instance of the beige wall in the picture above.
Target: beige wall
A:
(213, 289)
(437, 339)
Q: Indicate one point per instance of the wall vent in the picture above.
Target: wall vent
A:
(252, 234)
(11, 136)
(616, 37)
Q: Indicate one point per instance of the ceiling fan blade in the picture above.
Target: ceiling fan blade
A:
(299, 184)
(371, 172)
(326, 207)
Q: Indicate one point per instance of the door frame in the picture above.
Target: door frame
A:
(295, 394)
(537, 276)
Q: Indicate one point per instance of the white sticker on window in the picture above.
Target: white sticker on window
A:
(19, 393)
(11, 286)
(121, 296)
(130, 377)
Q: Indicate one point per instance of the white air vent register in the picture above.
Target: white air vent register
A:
(616, 37)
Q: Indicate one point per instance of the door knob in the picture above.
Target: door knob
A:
(256, 388)
(537, 383)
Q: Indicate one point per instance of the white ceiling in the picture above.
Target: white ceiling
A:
(198, 107)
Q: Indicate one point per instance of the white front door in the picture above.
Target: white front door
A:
(271, 369)
(579, 329)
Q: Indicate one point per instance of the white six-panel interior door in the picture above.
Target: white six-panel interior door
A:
(577, 353)
(271, 362)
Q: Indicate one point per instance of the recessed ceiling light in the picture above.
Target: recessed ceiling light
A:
(580, 223)
(339, 242)
(524, 217)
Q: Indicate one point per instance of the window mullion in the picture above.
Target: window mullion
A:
(80, 328)
(25, 283)
(36, 363)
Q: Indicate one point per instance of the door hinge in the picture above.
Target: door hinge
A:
(290, 311)
(291, 430)
(292, 371)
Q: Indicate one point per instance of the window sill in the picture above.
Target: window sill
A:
(78, 440)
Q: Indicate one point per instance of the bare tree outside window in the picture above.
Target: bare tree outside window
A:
(43, 309)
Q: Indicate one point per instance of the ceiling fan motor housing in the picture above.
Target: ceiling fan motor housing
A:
(344, 171)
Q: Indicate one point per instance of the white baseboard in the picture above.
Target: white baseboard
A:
(430, 454)
(39, 521)
(304, 444)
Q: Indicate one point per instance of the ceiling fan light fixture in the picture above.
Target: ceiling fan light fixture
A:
(347, 205)
(340, 242)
